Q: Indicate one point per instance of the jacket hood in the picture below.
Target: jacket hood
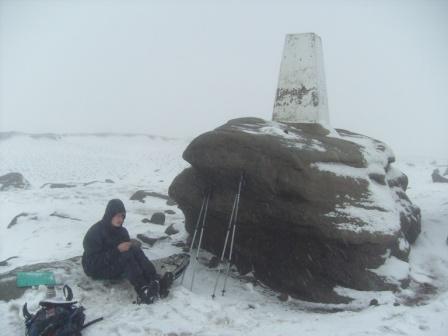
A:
(113, 207)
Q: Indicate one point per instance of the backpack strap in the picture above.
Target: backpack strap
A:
(92, 322)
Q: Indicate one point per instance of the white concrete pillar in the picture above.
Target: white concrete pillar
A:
(301, 93)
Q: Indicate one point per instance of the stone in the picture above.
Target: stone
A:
(158, 218)
(171, 230)
(5, 262)
(437, 178)
(374, 302)
(213, 262)
(170, 212)
(15, 219)
(63, 216)
(179, 243)
(58, 185)
(149, 240)
(316, 210)
(13, 181)
(140, 195)
(89, 183)
(283, 297)
(8, 286)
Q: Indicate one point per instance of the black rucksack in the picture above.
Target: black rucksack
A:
(56, 317)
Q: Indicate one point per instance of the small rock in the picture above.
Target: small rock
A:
(170, 212)
(89, 183)
(5, 262)
(140, 195)
(14, 220)
(63, 216)
(283, 297)
(170, 230)
(250, 306)
(109, 181)
(179, 243)
(213, 262)
(437, 178)
(13, 180)
(148, 240)
(373, 302)
(146, 220)
(170, 202)
(158, 218)
(396, 304)
(58, 185)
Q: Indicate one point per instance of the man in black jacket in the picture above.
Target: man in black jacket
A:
(110, 254)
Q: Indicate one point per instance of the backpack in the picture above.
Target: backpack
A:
(56, 317)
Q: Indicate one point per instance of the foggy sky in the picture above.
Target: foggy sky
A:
(180, 68)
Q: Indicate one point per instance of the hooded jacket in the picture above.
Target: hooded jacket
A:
(101, 241)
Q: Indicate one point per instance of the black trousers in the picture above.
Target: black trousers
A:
(132, 264)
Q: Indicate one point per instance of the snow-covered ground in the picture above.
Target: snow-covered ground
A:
(139, 162)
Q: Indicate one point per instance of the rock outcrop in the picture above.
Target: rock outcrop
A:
(318, 209)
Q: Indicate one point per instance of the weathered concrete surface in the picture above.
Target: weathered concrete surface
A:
(301, 94)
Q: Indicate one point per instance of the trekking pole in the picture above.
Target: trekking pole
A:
(200, 239)
(233, 233)
(195, 232)
(229, 227)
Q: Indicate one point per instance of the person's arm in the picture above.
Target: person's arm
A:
(94, 246)
(125, 244)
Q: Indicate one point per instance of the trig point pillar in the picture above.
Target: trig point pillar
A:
(301, 94)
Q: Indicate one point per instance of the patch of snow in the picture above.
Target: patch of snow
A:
(393, 270)
(290, 138)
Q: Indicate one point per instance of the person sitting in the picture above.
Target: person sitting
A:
(109, 253)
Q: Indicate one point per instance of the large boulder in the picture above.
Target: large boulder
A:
(317, 210)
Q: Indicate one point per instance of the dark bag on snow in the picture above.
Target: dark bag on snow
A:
(56, 317)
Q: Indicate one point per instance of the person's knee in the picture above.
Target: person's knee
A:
(136, 251)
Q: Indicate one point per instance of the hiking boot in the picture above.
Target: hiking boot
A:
(165, 283)
(149, 293)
